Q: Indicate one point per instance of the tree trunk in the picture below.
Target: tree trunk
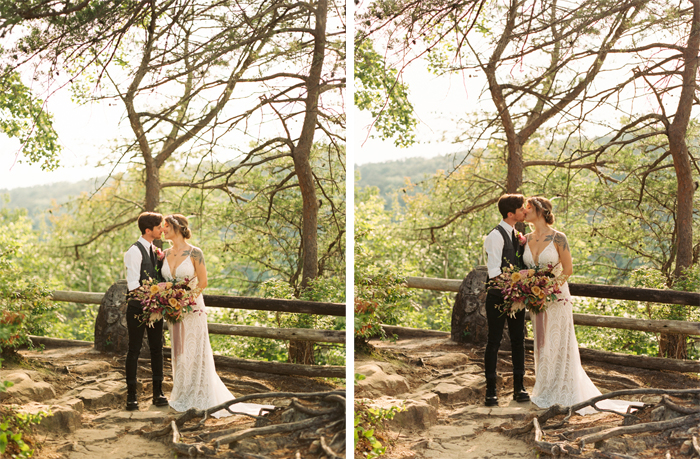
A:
(152, 185)
(675, 346)
(302, 151)
(514, 161)
(303, 351)
(677, 132)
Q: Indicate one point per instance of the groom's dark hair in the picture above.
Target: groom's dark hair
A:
(510, 203)
(148, 220)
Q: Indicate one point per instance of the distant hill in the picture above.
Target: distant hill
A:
(389, 176)
(37, 199)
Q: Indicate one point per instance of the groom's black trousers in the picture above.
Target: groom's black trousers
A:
(155, 342)
(516, 329)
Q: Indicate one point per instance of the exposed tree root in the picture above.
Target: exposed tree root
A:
(575, 443)
(322, 413)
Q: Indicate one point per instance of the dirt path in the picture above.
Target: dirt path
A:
(86, 392)
(450, 378)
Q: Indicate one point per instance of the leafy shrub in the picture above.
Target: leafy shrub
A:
(25, 308)
(369, 422)
(321, 289)
(631, 341)
(14, 427)
(381, 297)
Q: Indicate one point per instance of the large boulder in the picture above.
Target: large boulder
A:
(469, 324)
(377, 382)
(27, 386)
(111, 334)
(413, 414)
(459, 388)
(57, 418)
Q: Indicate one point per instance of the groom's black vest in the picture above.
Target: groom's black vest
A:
(148, 268)
(512, 254)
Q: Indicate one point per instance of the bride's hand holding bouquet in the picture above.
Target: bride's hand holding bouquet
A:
(527, 288)
(170, 301)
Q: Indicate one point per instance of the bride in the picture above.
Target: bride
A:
(195, 381)
(560, 378)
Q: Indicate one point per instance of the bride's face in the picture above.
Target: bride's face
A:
(167, 231)
(530, 213)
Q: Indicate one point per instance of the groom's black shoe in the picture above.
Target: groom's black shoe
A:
(132, 403)
(491, 397)
(519, 393)
(158, 397)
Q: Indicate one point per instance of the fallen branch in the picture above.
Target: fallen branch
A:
(556, 410)
(696, 446)
(273, 429)
(604, 455)
(329, 452)
(237, 455)
(176, 434)
(637, 428)
(666, 401)
(310, 411)
(179, 421)
(555, 449)
(267, 395)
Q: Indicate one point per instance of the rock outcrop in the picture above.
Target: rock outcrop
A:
(111, 334)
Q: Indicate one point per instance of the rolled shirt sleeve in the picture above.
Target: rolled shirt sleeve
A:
(132, 261)
(493, 245)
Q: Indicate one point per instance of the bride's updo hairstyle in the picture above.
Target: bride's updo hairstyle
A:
(543, 207)
(180, 224)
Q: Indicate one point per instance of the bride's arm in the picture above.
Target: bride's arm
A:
(200, 268)
(562, 246)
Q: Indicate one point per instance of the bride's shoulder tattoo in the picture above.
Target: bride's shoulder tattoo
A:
(197, 255)
(560, 240)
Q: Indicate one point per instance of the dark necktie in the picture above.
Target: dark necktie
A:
(153, 257)
(515, 240)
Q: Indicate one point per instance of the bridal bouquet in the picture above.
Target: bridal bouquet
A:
(165, 300)
(527, 288)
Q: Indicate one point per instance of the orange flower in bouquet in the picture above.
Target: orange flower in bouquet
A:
(170, 301)
(527, 288)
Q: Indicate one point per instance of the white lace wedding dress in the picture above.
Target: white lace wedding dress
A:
(559, 376)
(195, 381)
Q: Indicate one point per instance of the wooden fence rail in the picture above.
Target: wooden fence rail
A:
(261, 304)
(231, 302)
(591, 320)
(603, 291)
(589, 290)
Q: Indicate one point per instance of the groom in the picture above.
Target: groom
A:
(142, 263)
(503, 248)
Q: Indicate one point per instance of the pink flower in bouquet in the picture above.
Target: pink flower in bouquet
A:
(165, 300)
(526, 288)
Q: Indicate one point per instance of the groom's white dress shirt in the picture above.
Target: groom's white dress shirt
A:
(493, 245)
(132, 261)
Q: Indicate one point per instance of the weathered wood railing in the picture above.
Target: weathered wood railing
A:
(249, 303)
(260, 304)
(618, 293)
(603, 291)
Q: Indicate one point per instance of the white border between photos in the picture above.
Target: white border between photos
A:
(349, 227)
